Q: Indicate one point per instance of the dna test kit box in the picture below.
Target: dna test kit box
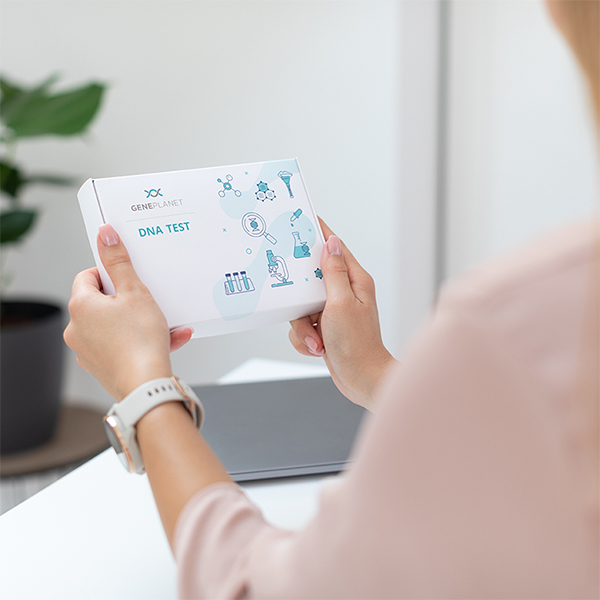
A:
(222, 249)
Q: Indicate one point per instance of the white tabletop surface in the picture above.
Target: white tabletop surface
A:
(96, 534)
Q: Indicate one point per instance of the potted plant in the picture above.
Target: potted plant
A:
(31, 345)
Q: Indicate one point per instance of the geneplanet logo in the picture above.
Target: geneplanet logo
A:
(153, 193)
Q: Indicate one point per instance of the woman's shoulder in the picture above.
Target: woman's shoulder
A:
(531, 304)
(554, 264)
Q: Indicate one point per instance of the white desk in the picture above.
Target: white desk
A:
(96, 534)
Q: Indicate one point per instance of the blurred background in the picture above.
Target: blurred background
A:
(433, 134)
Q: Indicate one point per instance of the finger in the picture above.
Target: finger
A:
(86, 281)
(313, 319)
(180, 337)
(360, 280)
(348, 256)
(335, 272)
(115, 259)
(299, 345)
(325, 228)
(305, 333)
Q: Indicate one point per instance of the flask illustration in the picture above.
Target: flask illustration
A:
(301, 249)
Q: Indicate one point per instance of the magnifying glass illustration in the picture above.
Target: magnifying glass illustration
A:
(254, 225)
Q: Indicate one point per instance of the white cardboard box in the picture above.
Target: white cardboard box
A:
(222, 249)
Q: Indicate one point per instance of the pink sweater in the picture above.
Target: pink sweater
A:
(476, 478)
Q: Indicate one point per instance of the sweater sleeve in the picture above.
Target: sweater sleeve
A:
(465, 483)
(224, 548)
(214, 534)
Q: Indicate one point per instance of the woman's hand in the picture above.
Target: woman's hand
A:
(122, 340)
(346, 332)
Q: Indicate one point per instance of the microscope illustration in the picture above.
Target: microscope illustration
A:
(278, 269)
(238, 283)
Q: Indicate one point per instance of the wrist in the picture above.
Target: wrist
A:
(138, 376)
(161, 414)
(380, 368)
(141, 406)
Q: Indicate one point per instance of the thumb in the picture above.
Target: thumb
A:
(115, 259)
(335, 271)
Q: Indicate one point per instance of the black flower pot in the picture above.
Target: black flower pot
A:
(31, 373)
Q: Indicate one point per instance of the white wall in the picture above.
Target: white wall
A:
(522, 154)
(418, 179)
(201, 83)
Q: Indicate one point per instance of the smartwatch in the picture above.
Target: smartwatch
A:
(121, 420)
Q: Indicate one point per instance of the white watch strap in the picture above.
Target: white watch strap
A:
(142, 400)
(148, 395)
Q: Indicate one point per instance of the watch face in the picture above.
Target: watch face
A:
(114, 437)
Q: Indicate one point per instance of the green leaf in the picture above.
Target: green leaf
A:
(14, 98)
(9, 93)
(14, 223)
(11, 180)
(36, 113)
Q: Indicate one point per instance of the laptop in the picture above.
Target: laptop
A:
(284, 428)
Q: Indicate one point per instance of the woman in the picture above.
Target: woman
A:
(477, 476)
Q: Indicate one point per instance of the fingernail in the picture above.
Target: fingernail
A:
(312, 345)
(334, 247)
(108, 235)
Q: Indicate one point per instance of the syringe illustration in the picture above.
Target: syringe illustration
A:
(238, 283)
(285, 177)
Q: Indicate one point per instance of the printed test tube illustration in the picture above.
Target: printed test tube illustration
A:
(245, 280)
(238, 283)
